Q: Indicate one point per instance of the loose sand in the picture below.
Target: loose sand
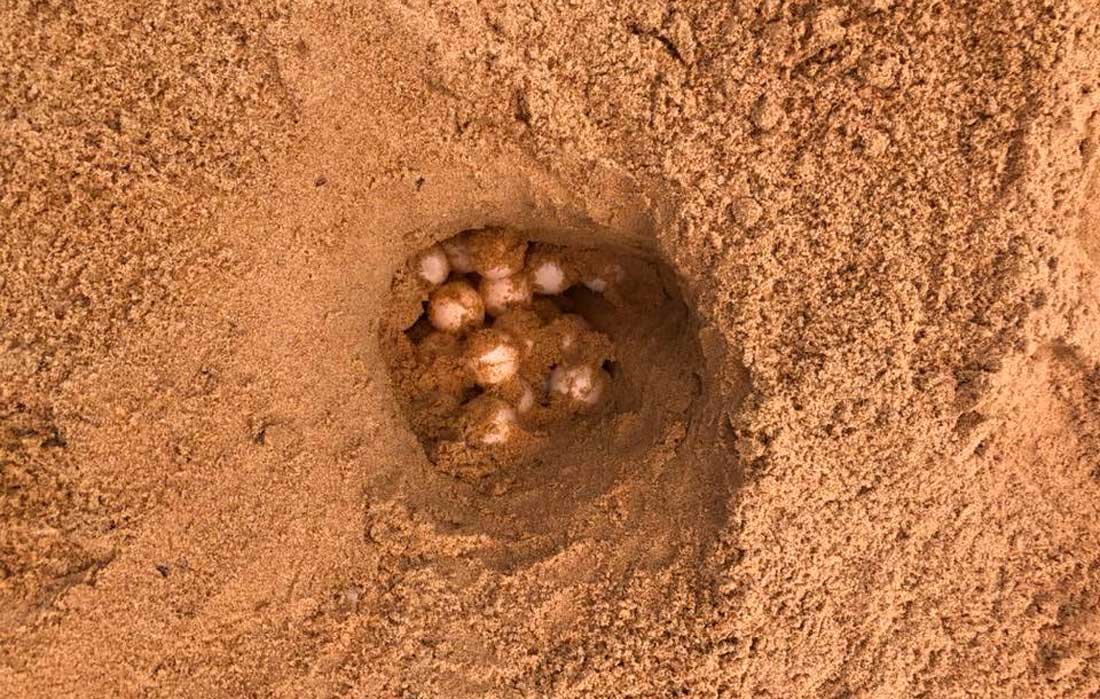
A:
(863, 461)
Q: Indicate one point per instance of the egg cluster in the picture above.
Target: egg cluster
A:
(499, 353)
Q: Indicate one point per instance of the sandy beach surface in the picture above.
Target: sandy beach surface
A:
(847, 441)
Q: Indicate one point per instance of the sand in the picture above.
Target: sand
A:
(864, 463)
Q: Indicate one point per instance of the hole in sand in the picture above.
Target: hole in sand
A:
(633, 455)
(511, 353)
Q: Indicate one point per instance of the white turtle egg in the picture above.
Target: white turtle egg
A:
(490, 422)
(432, 265)
(502, 295)
(497, 253)
(493, 356)
(455, 307)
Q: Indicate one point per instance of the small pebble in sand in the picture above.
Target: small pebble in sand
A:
(502, 295)
(548, 272)
(489, 421)
(457, 250)
(493, 356)
(432, 265)
(584, 386)
(455, 307)
(497, 254)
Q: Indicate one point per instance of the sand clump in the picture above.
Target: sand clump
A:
(848, 441)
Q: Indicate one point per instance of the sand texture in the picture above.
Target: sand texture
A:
(853, 449)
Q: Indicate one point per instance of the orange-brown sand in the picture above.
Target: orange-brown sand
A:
(857, 454)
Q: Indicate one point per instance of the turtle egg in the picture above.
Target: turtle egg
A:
(455, 307)
(500, 295)
(457, 250)
(583, 385)
(432, 265)
(493, 356)
(521, 324)
(497, 254)
(547, 273)
(489, 422)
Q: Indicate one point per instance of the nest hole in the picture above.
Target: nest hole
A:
(518, 359)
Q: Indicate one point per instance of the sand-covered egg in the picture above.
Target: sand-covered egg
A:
(493, 356)
(519, 394)
(522, 324)
(455, 307)
(489, 421)
(457, 250)
(583, 385)
(502, 295)
(432, 265)
(548, 271)
(600, 270)
(569, 328)
(496, 253)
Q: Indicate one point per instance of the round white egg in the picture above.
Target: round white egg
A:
(495, 365)
(432, 265)
(500, 295)
(548, 277)
(455, 307)
(490, 422)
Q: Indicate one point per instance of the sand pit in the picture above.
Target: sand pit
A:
(811, 410)
(497, 373)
